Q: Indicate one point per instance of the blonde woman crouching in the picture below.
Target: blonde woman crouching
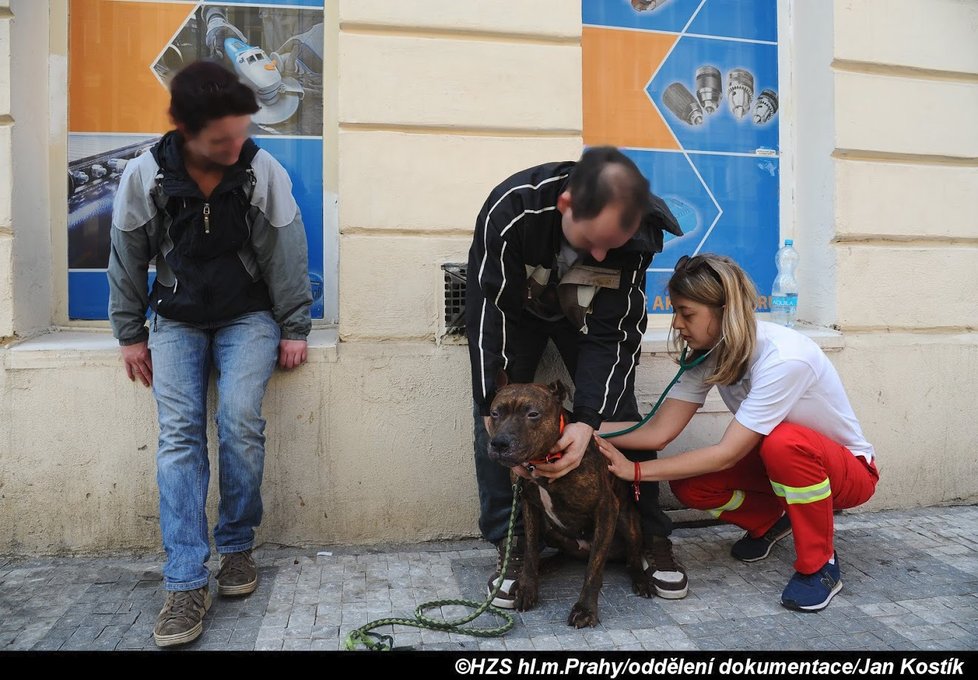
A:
(792, 454)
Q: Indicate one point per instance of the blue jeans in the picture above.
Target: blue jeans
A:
(243, 352)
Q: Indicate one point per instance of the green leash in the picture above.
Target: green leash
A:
(383, 643)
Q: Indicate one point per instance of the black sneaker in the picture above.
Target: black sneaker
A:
(506, 596)
(666, 573)
(749, 549)
(182, 618)
(238, 575)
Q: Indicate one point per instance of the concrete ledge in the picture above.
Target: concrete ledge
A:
(99, 348)
(656, 340)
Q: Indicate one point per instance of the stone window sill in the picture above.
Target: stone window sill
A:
(656, 340)
(95, 348)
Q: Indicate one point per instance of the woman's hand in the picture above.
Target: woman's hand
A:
(620, 466)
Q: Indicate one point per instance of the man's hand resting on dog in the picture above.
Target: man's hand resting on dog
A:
(573, 443)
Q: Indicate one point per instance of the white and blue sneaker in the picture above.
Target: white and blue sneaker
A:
(813, 592)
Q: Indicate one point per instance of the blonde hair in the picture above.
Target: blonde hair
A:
(720, 283)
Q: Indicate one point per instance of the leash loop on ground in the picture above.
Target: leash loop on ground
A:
(383, 643)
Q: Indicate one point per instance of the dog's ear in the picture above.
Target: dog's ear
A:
(558, 390)
(501, 379)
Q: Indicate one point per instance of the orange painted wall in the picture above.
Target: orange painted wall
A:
(617, 109)
(112, 46)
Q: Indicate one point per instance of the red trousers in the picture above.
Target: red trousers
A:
(794, 470)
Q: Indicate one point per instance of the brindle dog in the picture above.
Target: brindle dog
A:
(588, 510)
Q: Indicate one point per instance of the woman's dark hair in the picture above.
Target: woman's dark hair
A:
(605, 175)
(205, 91)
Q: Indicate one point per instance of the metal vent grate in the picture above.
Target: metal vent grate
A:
(454, 298)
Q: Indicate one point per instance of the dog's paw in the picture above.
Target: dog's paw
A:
(582, 616)
(525, 596)
(642, 586)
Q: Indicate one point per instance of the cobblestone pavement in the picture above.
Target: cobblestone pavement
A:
(911, 583)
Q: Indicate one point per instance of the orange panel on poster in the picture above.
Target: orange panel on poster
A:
(617, 67)
(112, 46)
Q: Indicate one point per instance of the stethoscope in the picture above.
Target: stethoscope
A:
(683, 367)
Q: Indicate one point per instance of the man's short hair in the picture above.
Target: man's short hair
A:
(205, 91)
(605, 175)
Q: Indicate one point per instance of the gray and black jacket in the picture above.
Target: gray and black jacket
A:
(513, 262)
(241, 250)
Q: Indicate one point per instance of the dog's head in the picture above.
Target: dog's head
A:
(525, 422)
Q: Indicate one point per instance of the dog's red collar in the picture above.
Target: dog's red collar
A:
(550, 457)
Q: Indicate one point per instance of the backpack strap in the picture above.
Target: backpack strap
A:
(161, 200)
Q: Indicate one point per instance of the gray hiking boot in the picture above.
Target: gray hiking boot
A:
(238, 575)
(182, 618)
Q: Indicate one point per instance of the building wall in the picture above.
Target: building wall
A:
(6, 173)
(905, 165)
(435, 102)
(458, 99)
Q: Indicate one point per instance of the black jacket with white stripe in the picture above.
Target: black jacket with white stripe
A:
(518, 230)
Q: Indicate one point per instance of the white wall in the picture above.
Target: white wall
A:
(6, 180)
(33, 267)
(905, 173)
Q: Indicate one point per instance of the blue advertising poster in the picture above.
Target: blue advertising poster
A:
(689, 90)
(122, 58)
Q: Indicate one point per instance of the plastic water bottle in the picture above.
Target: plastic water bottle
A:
(784, 295)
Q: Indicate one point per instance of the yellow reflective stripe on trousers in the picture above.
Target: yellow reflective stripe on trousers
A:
(803, 494)
(736, 500)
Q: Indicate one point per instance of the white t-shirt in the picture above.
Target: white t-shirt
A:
(789, 379)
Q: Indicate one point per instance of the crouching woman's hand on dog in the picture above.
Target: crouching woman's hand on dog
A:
(573, 442)
(620, 466)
